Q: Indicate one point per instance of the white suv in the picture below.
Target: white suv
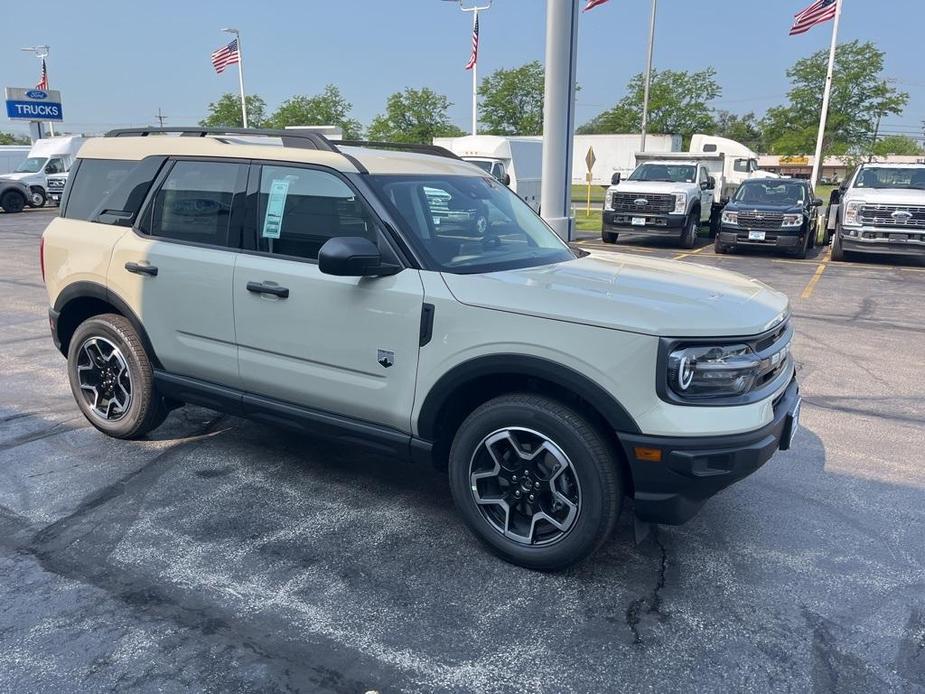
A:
(344, 290)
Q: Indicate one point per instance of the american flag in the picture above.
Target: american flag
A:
(817, 13)
(43, 83)
(474, 58)
(593, 3)
(225, 56)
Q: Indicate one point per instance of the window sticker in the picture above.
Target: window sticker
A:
(276, 204)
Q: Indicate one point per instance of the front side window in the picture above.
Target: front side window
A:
(54, 166)
(469, 224)
(741, 165)
(300, 209)
(666, 173)
(194, 203)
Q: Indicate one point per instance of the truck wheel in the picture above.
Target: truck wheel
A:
(715, 221)
(37, 197)
(691, 227)
(111, 378)
(13, 202)
(718, 248)
(609, 237)
(535, 481)
(803, 249)
(838, 253)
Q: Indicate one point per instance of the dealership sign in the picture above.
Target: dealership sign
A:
(33, 104)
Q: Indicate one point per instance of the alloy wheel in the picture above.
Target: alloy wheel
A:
(525, 486)
(104, 378)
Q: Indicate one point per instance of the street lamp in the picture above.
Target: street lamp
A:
(237, 35)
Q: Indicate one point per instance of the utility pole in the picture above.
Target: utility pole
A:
(648, 79)
(160, 117)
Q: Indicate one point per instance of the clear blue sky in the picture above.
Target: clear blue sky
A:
(117, 61)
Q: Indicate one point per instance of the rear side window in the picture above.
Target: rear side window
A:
(195, 202)
(94, 181)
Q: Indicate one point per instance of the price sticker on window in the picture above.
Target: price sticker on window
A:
(276, 205)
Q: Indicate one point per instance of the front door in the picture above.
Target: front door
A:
(344, 345)
(706, 194)
(175, 270)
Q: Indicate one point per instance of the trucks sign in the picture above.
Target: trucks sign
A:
(33, 104)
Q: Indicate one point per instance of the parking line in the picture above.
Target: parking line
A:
(814, 280)
(686, 255)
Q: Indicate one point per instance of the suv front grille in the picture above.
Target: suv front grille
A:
(906, 216)
(654, 203)
(769, 221)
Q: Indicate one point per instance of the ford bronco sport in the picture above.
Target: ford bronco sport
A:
(336, 288)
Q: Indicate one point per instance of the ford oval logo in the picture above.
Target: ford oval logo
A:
(37, 94)
(641, 202)
(902, 216)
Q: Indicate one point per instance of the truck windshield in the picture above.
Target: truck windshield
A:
(776, 193)
(468, 224)
(667, 173)
(494, 168)
(884, 177)
(31, 165)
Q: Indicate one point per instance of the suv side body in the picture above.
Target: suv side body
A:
(217, 272)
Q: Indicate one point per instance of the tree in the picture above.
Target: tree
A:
(678, 105)
(13, 139)
(512, 101)
(860, 97)
(414, 116)
(226, 112)
(897, 144)
(327, 108)
(745, 129)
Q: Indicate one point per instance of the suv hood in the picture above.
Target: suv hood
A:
(889, 196)
(626, 292)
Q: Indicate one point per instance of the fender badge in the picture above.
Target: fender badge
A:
(385, 358)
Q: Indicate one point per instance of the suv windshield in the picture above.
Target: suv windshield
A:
(469, 224)
(31, 165)
(668, 173)
(883, 177)
(776, 193)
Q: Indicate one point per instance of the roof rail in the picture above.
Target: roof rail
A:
(435, 150)
(290, 138)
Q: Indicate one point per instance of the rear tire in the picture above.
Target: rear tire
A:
(520, 442)
(112, 379)
(13, 202)
(609, 237)
(691, 227)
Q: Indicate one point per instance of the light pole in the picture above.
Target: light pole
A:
(475, 9)
(237, 35)
(648, 80)
(41, 52)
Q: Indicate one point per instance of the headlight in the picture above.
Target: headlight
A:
(792, 220)
(731, 218)
(680, 203)
(703, 372)
(853, 213)
(608, 201)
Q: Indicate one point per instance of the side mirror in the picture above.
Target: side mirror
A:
(818, 202)
(506, 179)
(711, 182)
(351, 256)
(615, 179)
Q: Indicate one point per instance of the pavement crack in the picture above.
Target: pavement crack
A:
(651, 603)
(53, 430)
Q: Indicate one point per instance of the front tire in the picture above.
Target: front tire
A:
(535, 481)
(691, 227)
(112, 379)
(718, 248)
(37, 197)
(609, 237)
(838, 253)
(13, 202)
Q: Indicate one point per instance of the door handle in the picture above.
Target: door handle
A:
(139, 269)
(261, 288)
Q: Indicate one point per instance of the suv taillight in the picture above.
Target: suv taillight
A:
(42, 257)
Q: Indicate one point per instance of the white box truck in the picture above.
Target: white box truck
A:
(615, 154)
(11, 156)
(52, 155)
(515, 161)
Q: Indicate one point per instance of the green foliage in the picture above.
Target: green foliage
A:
(13, 139)
(414, 116)
(745, 129)
(226, 112)
(897, 144)
(678, 104)
(860, 95)
(512, 101)
(327, 108)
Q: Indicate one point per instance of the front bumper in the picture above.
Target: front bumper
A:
(897, 241)
(691, 470)
(777, 238)
(622, 223)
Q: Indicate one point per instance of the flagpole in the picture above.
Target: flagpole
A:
(648, 78)
(237, 36)
(475, 79)
(817, 163)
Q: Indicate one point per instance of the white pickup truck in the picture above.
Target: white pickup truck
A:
(881, 210)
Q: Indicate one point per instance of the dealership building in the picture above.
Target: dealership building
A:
(833, 168)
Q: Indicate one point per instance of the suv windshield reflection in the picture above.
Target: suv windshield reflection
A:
(469, 224)
(777, 193)
(667, 173)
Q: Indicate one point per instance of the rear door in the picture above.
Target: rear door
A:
(344, 345)
(175, 268)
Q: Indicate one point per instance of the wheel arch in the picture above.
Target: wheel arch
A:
(82, 300)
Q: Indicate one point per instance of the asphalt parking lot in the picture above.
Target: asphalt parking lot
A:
(222, 555)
